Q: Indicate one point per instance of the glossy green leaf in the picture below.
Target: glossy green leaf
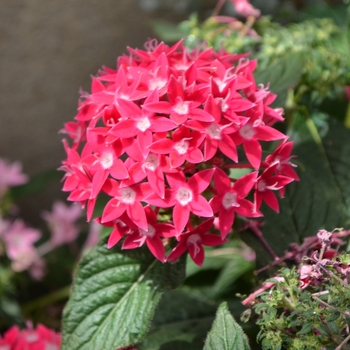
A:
(281, 75)
(181, 321)
(226, 334)
(114, 297)
(217, 258)
(230, 261)
(234, 269)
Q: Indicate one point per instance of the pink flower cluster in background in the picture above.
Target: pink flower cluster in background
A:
(158, 137)
(10, 175)
(62, 223)
(40, 338)
(20, 241)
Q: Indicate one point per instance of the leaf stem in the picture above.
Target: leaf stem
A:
(330, 273)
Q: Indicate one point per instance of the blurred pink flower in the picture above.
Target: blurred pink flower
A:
(10, 175)
(93, 235)
(61, 222)
(19, 241)
(30, 338)
(245, 9)
(347, 92)
(37, 270)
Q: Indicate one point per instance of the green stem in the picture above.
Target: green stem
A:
(294, 301)
(287, 303)
(347, 117)
(313, 131)
(344, 342)
(47, 300)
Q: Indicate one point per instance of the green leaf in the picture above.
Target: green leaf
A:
(333, 327)
(237, 267)
(323, 330)
(10, 311)
(320, 200)
(230, 258)
(167, 31)
(114, 297)
(282, 75)
(334, 315)
(307, 328)
(226, 334)
(218, 258)
(181, 321)
(338, 13)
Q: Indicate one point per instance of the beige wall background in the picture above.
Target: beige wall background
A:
(48, 50)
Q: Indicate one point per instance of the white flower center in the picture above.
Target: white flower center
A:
(229, 200)
(182, 146)
(220, 83)
(50, 346)
(150, 233)
(194, 240)
(127, 195)
(5, 347)
(261, 186)
(279, 160)
(156, 83)
(151, 162)
(224, 107)
(143, 124)
(124, 96)
(247, 132)
(106, 160)
(214, 132)
(184, 196)
(31, 337)
(181, 66)
(181, 108)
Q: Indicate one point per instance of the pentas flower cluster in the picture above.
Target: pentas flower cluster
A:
(158, 137)
(39, 338)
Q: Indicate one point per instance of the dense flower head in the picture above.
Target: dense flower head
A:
(159, 135)
(39, 338)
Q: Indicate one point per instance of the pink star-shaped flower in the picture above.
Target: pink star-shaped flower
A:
(151, 236)
(194, 240)
(126, 199)
(230, 199)
(266, 183)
